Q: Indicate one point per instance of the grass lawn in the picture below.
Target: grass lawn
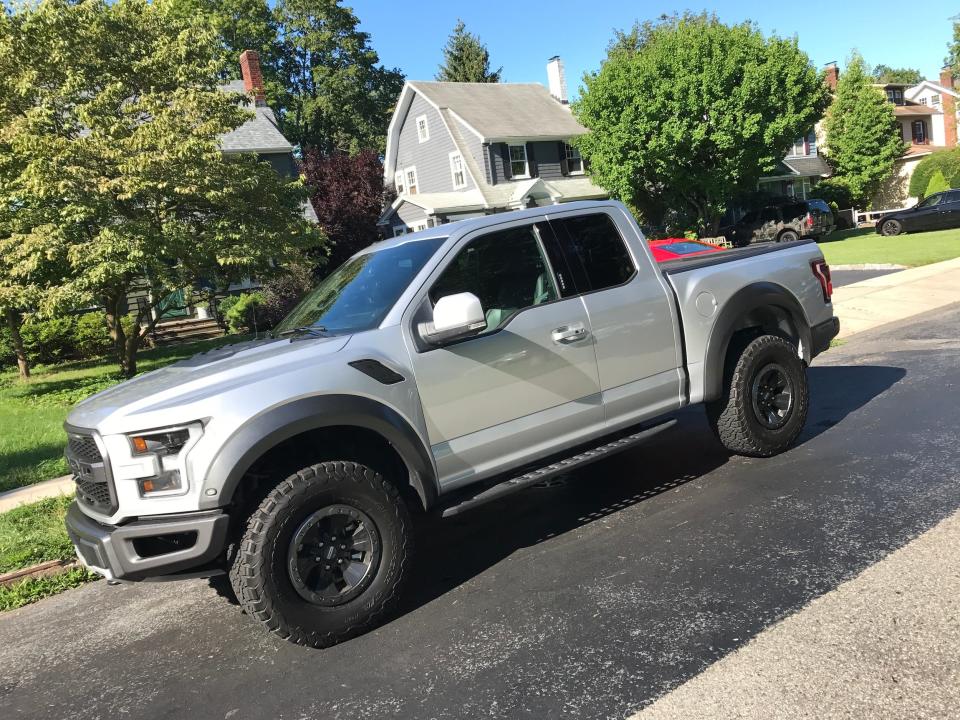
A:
(858, 247)
(32, 412)
(32, 534)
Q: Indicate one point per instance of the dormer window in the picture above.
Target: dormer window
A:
(423, 130)
(519, 167)
(574, 160)
(398, 182)
(895, 95)
(457, 171)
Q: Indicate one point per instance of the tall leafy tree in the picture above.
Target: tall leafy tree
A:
(466, 59)
(886, 74)
(863, 135)
(348, 196)
(337, 96)
(116, 115)
(953, 49)
(686, 112)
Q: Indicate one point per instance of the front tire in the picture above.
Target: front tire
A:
(325, 555)
(765, 399)
(890, 228)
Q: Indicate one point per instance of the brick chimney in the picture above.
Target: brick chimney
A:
(949, 107)
(832, 74)
(252, 76)
(557, 79)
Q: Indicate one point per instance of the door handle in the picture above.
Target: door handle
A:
(569, 333)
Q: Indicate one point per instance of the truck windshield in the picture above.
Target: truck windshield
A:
(359, 294)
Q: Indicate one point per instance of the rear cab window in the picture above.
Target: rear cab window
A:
(597, 253)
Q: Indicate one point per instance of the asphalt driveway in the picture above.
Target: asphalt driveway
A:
(587, 599)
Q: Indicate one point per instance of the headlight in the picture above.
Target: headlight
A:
(165, 446)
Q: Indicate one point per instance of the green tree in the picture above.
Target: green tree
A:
(116, 115)
(466, 59)
(863, 136)
(938, 183)
(337, 96)
(886, 74)
(947, 162)
(687, 112)
(953, 49)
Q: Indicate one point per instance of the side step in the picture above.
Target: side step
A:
(560, 466)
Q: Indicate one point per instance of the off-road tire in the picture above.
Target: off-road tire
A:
(733, 417)
(259, 573)
(788, 236)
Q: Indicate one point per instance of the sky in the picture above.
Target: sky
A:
(521, 36)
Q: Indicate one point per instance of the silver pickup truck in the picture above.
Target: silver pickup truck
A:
(433, 372)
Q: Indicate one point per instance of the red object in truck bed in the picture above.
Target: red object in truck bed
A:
(675, 248)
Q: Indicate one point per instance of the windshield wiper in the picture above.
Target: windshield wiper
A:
(316, 330)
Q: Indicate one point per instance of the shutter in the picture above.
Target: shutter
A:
(531, 161)
(505, 158)
(564, 168)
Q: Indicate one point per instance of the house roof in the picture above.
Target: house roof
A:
(260, 134)
(812, 166)
(912, 110)
(911, 93)
(497, 112)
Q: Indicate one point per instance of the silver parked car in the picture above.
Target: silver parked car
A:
(433, 372)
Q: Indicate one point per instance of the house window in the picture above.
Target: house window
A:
(895, 95)
(457, 171)
(398, 181)
(919, 132)
(935, 99)
(411, 177)
(420, 225)
(805, 146)
(519, 168)
(923, 101)
(399, 230)
(423, 130)
(574, 160)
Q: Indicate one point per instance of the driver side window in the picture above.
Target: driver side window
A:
(506, 270)
(931, 201)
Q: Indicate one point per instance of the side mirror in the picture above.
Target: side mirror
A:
(454, 317)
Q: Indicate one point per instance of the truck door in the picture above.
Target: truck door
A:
(631, 316)
(526, 386)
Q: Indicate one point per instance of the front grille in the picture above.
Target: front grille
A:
(91, 473)
(84, 448)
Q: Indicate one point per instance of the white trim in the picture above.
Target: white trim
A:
(426, 128)
(456, 154)
(526, 161)
(393, 132)
(911, 92)
(398, 182)
(406, 178)
(419, 225)
(566, 158)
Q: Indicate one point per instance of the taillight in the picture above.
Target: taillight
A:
(821, 271)
(809, 220)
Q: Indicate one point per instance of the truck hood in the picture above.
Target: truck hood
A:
(197, 378)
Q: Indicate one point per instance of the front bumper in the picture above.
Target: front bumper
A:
(822, 334)
(149, 547)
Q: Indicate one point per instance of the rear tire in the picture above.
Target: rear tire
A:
(325, 555)
(765, 399)
(890, 228)
(788, 236)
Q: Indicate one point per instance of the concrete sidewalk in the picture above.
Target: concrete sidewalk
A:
(883, 645)
(31, 493)
(888, 298)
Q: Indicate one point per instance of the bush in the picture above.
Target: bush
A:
(835, 191)
(70, 337)
(938, 183)
(282, 293)
(945, 161)
(241, 312)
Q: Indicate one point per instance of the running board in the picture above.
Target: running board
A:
(565, 465)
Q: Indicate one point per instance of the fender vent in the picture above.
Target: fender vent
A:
(377, 370)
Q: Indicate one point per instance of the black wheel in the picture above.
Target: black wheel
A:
(890, 228)
(765, 399)
(325, 555)
(788, 236)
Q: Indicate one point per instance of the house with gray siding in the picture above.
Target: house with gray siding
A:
(459, 150)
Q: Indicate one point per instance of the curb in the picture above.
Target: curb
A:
(869, 266)
(44, 569)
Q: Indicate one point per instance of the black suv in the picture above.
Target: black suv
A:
(782, 221)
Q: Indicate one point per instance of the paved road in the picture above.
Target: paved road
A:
(849, 277)
(584, 601)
